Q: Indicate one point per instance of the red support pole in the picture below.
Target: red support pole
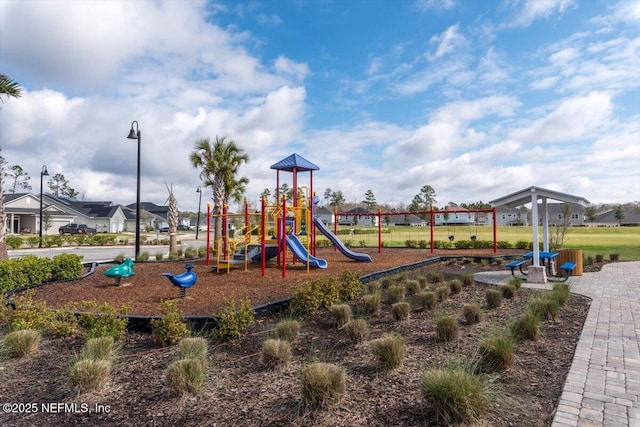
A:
(225, 232)
(263, 232)
(379, 216)
(495, 232)
(431, 227)
(208, 232)
(284, 236)
(246, 216)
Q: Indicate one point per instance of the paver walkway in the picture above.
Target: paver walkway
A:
(603, 384)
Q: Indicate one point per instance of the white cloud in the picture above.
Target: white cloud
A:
(446, 42)
(536, 9)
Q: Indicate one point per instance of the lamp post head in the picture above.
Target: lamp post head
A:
(199, 190)
(44, 171)
(134, 134)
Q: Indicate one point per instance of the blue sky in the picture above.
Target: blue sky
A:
(476, 98)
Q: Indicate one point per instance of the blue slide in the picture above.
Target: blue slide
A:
(338, 243)
(301, 253)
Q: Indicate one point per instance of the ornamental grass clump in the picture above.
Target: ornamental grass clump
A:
(322, 385)
(357, 330)
(89, 375)
(388, 351)
(497, 352)
(288, 329)
(341, 314)
(371, 303)
(436, 277)
(20, 343)
(561, 293)
(467, 279)
(447, 328)
(194, 348)
(544, 308)
(525, 327)
(493, 298)
(400, 310)
(508, 291)
(395, 293)
(457, 395)
(426, 300)
(472, 313)
(455, 286)
(515, 281)
(412, 287)
(184, 376)
(442, 292)
(98, 348)
(276, 352)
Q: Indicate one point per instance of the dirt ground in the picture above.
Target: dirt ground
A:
(241, 391)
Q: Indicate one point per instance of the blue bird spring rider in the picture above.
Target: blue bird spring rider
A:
(184, 280)
(125, 269)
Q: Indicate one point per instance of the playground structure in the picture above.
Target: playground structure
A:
(278, 228)
(292, 226)
(125, 269)
(183, 281)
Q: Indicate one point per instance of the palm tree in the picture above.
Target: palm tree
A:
(12, 90)
(219, 163)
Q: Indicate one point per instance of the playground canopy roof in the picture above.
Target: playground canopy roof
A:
(295, 161)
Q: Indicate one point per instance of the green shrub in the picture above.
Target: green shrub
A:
(357, 330)
(614, 257)
(159, 255)
(20, 343)
(276, 353)
(599, 258)
(400, 310)
(14, 242)
(388, 351)
(371, 303)
(231, 322)
(508, 291)
(202, 252)
(89, 375)
(288, 329)
(395, 293)
(36, 315)
(103, 320)
(442, 292)
(190, 253)
(350, 285)
(426, 300)
(544, 308)
(472, 313)
(467, 279)
(497, 352)
(321, 385)
(184, 376)
(143, 256)
(410, 243)
(194, 348)
(457, 395)
(525, 327)
(412, 287)
(493, 298)
(66, 267)
(341, 314)
(24, 271)
(171, 327)
(311, 295)
(99, 348)
(447, 328)
(32, 241)
(456, 286)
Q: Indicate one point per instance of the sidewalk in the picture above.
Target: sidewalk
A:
(603, 385)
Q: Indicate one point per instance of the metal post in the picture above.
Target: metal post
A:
(138, 136)
(43, 173)
(199, 191)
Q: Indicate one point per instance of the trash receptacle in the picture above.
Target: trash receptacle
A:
(570, 255)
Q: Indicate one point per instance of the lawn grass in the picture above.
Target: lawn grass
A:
(624, 241)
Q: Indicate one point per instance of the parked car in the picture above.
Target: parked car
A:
(76, 229)
(180, 227)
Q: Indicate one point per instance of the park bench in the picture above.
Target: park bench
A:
(517, 264)
(567, 268)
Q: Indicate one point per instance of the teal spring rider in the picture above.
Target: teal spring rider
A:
(121, 270)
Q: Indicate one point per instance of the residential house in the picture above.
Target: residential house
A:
(608, 218)
(507, 216)
(358, 216)
(408, 220)
(325, 215)
(556, 213)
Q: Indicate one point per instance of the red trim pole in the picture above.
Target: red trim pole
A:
(246, 216)
(495, 231)
(225, 232)
(379, 216)
(208, 231)
(312, 225)
(263, 231)
(335, 225)
(431, 227)
(284, 236)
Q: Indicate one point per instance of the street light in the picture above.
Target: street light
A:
(136, 135)
(44, 172)
(199, 191)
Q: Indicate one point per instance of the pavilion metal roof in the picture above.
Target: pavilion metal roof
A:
(523, 197)
(295, 161)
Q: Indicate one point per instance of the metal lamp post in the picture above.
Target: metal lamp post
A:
(199, 191)
(44, 172)
(136, 135)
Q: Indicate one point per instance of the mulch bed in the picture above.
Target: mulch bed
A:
(239, 390)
